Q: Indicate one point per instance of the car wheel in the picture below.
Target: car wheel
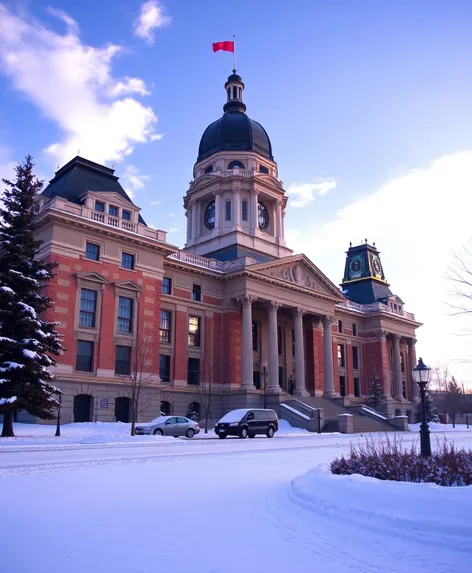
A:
(222, 436)
(190, 433)
(270, 432)
(243, 433)
(158, 432)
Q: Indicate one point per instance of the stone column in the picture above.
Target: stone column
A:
(300, 389)
(411, 365)
(253, 212)
(278, 219)
(217, 211)
(397, 369)
(194, 220)
(329, 391)
(189, 226)
(237, 206)
(273, 348)
(247, 352)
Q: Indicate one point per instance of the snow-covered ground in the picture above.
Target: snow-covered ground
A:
(147, 505)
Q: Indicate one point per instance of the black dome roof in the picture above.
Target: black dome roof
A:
(234, 131)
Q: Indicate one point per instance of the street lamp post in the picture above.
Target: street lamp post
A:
(422, 376)
(264, 388)
(58, 421)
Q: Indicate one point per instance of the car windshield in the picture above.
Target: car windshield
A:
(159, 420)
(233, 416)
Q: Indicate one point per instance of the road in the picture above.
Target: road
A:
(191, 507)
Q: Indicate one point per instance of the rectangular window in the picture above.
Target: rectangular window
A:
(84, 358)
(279, 340)
(99, 206)
(125, 314)
(123, 360)
(402, 362)
(165, 332)
(244, 210)
(126, 215)
(342, 385)
(92, 252)
(263, 169)
(113, 211)
(193, 371)
(354, 330)
(355, 358)
(255, 336)
(88, 307)
(341, 356)
(197, 292)
(166, 285)
(293, 343)
(340, 325)
(194, 330)
(228, 211)
(164, 367)
(127, 261)
(357, 387)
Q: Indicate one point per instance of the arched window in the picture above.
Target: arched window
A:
(244, 210)
(83, 404)
(209, 169)
(194, 411)
(236, 164)
(166, 408)
(263, 169)
(228, 210)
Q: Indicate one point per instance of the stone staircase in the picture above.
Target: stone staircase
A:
(364, 422)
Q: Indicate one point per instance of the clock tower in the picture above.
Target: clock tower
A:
(235, 205)
(364, 280)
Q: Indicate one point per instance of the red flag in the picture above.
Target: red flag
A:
(225, 46)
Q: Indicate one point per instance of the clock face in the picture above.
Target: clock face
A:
(262, 216)
(356, 266)
(376, 266)
(209, 215)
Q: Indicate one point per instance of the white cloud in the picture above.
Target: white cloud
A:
(151, 17)
(306, 192)
(132, 180)
(71, 83)
(173, 230)
(416, 221)
(155, 203)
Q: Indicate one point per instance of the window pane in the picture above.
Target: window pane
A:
(244, 210)
(164, 368)
(113, 211)
(193, 371)
(255, 337)
(88, 305)
(84, 358)
(127, 261)
(165, 324)
(194, 331)
(92, 251)
(99, 206)
(166, 285)
(197, 292)
(123, 360)
(125, 314)
(355, 357)
(126, 215)
(354, 330)
(228, 210)
(341, 362)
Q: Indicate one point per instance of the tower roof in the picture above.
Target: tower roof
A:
(234, 131)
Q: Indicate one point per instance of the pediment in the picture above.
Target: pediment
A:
(299, 270)
(92, 277)
(128, 285)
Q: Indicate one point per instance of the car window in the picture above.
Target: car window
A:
(182, 421)
(261, 415)
(250, 416)
(171, 421)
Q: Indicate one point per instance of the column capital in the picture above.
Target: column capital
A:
(236, 187)
(396, 337)
(412, 341)
(317, 322)
(246, 299)
(273, 305)
(328, 320)
(215, 191)
(381, 334)
(299, 311)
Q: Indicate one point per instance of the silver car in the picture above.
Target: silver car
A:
(169, 426)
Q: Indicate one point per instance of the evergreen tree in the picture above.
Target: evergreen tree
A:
(26, 341)
(454, 401)
(432, 414)
(375, 390)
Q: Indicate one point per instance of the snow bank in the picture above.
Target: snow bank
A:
(436, 427)
(105, 433)
(432, 513)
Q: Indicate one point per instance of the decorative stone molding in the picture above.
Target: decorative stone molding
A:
(273, 304)
(412, 341)
(298, 311)
(381, 334)
(298, 274)
(328, 320)
(246, 299)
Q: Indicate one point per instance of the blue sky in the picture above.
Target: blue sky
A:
(368, 99)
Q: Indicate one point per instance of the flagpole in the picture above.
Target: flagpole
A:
(234, 54)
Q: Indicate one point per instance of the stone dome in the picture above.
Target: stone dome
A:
(234, 131)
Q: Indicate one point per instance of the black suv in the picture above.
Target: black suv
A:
(244, 423)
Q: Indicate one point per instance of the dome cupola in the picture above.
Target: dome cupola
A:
(234, 131)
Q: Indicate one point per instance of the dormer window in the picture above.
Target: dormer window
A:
(99, 206)
(113, 211)
(263, 169)
(209, 169)
(236, 165)
(126, 215)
